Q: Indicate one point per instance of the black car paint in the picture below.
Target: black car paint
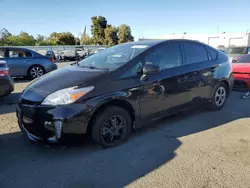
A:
(6, 85)
(6, 82)
(145, 99)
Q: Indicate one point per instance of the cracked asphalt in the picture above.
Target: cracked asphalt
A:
(196, 149)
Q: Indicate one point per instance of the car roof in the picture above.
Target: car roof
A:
(152, 42)
(15, 47)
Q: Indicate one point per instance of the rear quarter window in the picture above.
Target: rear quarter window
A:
(212, 52)
(222, 56)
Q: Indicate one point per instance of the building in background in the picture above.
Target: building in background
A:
(219, 40)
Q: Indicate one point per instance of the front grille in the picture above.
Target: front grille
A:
(240, 85)
(38, 130)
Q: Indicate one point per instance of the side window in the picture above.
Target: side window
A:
(213, 53)
(165, 56)
(28, 54)
(194, 52)
(132, 72)
(16, 53)
(1, 53)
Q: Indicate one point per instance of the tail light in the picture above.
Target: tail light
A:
(4, 71)
(52, 59)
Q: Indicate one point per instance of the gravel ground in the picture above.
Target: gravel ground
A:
(195, 149)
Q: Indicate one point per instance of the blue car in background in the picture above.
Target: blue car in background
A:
(25, 62)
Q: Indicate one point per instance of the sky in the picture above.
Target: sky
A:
(147, 18)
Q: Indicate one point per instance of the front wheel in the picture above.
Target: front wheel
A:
(111, 127)
(35, 72)
(219, 97)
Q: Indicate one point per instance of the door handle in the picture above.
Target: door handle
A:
(27, 59)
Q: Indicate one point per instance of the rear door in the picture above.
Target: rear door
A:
(166, 91)
(18, 61)
(199, 65)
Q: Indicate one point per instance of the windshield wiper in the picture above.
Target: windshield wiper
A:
(93, 67)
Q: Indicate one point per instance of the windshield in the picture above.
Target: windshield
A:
(235, 50)
(114, 57)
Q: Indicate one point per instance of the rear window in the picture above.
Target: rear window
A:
(236, 50)
(244, 59)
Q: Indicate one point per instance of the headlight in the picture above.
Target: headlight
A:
(66, 96)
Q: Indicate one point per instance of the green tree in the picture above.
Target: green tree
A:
(124, 34)
(77, 41)
(39, 39)
(14, 40)
(47, 42)
(26, 39)
(65, 38)
(98, 26)
(111, 37)
(87, 40)
(4, 34)
(23, 39)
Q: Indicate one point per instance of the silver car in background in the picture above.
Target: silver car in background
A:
(25, 62)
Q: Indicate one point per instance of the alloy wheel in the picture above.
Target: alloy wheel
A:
(36, 72)
(220, 96)
(113, 129)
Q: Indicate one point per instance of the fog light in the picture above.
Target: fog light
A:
(58, 129)
(49, 125)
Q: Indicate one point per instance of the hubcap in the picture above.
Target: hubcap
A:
(113, 129)
(36, 72)
(220, 96)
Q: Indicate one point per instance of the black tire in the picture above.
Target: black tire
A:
(101, 121)
(31, 70)
(213, 103)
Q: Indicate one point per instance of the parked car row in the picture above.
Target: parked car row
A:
(122, 88)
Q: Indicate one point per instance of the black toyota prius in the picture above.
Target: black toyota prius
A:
(122, 88)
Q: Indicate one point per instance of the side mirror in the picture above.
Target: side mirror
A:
(150, 69)
(234, 61)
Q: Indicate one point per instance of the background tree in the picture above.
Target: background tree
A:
(77, 41)
(23, 39)
(14, 40)
(4, 34)
(124, 34)
(111, 37)
(87, 40)
(98, 26)
(64, 38)
(39, 39)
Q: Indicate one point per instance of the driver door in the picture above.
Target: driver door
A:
(166, 91)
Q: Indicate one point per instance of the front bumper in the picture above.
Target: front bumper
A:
(241, 82)
(52, 124)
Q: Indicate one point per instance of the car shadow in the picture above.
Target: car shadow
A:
(86, 165)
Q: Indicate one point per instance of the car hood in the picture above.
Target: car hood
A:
(69, 76)
(241, 67)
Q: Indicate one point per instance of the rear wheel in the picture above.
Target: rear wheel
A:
(35, 72)
(219, 97)
(111, 127)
